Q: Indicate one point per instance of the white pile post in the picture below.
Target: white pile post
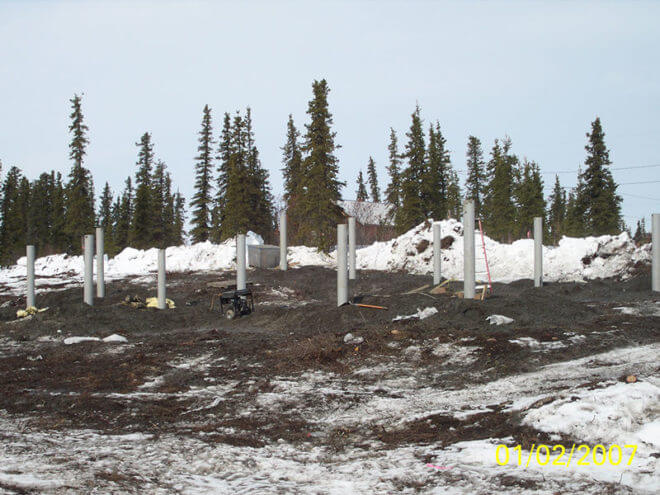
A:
(240, 262)
(655, 256)
(100, 282)
(468, 250)
(538, 251)
(352, 273)
(437, 240)
(283, 261)
(342, 273)
(88, 286)
(29, 298)
(162, 283)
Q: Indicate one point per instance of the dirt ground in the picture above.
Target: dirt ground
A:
(296, 328)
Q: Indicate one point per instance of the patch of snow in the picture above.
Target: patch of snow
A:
(421, 314)
(499, 320)
(78, 340)
(115, 338)
(351, 339)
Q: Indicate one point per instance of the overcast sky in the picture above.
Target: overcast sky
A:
(539, 72)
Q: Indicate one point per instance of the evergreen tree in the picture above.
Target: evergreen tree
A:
(412, 211)
(454, 197)
(475, 183)
(373, 181)
(80, 188)
(361, 192)
(499, 200)
(171, 235)
(105, 218)
(179, 219)
(123, 216)
(236, 214)
(293, 177)
(557, 211)
(12, 229)
(435, 179)
(598, 196)
(224, 158)
(160, 182)
(202, 200)
(529, 197)
(58, 239)
(393, 191)
(574, 222)
(142, 220)
(318, 208)
(260, 199)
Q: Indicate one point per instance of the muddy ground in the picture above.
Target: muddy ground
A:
(296, 328)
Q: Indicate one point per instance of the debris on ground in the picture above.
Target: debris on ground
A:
(29, 311)
(349, 338)
(421, 314)
(152, 302)
(499, 320)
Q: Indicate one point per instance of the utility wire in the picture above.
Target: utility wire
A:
(643, 182)
(639, 197)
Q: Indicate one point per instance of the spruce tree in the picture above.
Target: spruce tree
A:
(12, 228)
(293, 177)
(574, 221)
(454, 196)
(142, 221)
(123, 216)
(393, 191)
(38, 217)
(260, 199)
(236, 210)
(179, 219)
(557, 211)
(224, 157)
(318, 209)
(499, 200)
(58, 238)
(159, 196)
(105, 219)
(529, 197)
(201, 203)
(436, 175)
(598, 196)
(170, 234)
(80, 188)
(412, 211)
(361, 191)
(373, 181)
(475, 183)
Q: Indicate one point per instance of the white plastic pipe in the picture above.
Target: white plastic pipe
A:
(342, 273)
(283, 250)
(162, 282)
(538, 251)
(240, 261)
(29, 297)
(352, 272)
(100, 279)
(437, 240)
(655, 256)
(88, 286)
(468, 250)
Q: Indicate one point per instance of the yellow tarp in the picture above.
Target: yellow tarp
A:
(152, 302)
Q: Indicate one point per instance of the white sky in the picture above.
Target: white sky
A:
(537, 71)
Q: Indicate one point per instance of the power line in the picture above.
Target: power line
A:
(639, 197)
(643, 182)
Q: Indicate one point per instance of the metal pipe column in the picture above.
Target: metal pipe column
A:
(162, 281)
(468, 250)
(655, 247)
(538, 251)
(240, 262)
(283, 261)
(100, 282)
(342, 274)
(437, 240)
(29, 298)
(352, 275)
(88, 285)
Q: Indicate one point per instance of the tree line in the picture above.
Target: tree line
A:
(232, 193)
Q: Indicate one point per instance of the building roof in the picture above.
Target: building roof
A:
(368, 213)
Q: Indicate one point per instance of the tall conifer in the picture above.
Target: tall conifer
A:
(499, 200)
(393, 191)
(361, 191)
(475, 183)
(142, 220)
(557, 211)
(293, 177)
(201, 203)
(373, 181)
(412, 211)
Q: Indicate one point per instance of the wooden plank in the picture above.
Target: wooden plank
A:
(439, 290)
(417, 290)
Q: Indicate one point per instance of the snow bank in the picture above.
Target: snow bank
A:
(575, 259)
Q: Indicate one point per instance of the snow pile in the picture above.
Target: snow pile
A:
(574, 259)
(499, 320)
(421, 314)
